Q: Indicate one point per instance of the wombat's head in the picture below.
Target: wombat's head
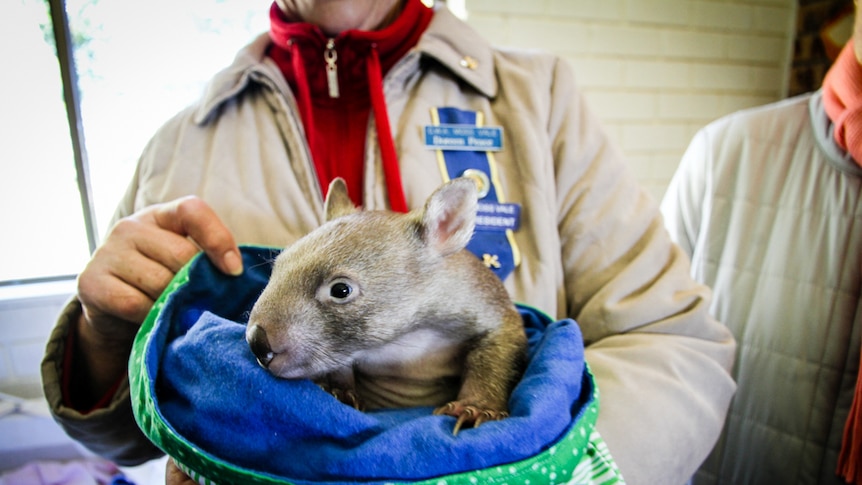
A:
(357, 282)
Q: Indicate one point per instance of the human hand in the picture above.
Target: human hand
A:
(129, 271)
(175, 476)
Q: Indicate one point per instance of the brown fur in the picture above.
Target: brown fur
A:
(425, 322)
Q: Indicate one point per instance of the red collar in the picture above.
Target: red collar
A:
(352, 47)
(361, 59)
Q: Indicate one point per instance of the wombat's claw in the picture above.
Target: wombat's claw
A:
(489, 416)
(445, 409)
(349, 397)
(469, 415)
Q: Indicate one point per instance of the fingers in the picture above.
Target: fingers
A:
(128, 272)
(142, 253)
(192, 217)
(121, 284)
(175, 476)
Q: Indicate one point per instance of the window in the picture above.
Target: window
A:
(42, 221)
(135, 65)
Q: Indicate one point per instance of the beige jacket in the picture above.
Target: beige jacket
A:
(592, 242)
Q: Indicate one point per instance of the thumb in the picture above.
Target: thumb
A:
(195, 219)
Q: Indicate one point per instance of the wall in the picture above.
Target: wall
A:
(27, 430)
(25, 322)
(655, 70)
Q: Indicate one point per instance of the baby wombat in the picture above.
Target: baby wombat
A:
(389, 310)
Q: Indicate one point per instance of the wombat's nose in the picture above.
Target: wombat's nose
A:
(256, 338)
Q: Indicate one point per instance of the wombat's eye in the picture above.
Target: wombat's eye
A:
(340, 290)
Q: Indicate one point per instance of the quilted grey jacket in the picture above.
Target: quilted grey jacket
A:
(769, 208)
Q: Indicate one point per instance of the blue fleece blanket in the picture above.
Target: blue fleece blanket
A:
(211, 392)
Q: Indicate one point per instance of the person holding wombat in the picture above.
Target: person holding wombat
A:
(396, 98)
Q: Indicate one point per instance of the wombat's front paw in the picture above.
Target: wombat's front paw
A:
(349, 397)
(346, 396)
(469, 415)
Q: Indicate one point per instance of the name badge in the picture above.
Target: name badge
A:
(493, 216)
(464, 137)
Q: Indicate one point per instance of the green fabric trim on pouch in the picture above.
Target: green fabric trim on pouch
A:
(579, 456)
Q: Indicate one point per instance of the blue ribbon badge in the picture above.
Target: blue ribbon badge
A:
(465, 149)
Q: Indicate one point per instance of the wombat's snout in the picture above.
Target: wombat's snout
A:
(256, 338)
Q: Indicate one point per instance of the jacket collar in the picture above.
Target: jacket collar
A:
(250, 62)
(822, 127)
(459, 48)
(448, 40)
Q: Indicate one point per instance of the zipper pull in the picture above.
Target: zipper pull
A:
(330, 56)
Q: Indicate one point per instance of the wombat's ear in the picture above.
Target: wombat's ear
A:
(450, 216)
(337, 201)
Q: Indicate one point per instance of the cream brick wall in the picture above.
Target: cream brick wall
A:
(655, 70)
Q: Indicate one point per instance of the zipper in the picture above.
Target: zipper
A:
(330, 56)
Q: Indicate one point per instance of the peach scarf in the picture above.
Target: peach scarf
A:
(842, 100)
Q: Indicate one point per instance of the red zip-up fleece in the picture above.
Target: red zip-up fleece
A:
(338, 82)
